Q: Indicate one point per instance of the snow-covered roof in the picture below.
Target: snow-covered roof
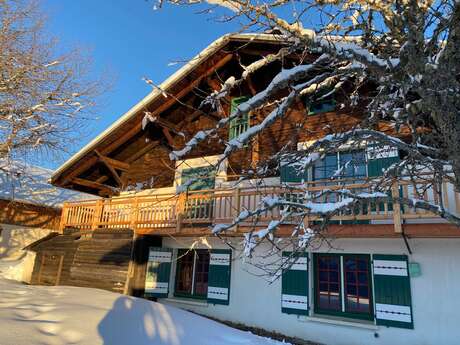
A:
(158, 92)
(29, 183)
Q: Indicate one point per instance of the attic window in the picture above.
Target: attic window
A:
(324, 102)
(240, 124)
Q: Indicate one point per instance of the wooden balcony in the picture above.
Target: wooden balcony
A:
(172, 213)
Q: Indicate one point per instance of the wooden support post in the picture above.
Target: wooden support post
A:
(132, 263)
(179, 222)
(457, 200)
(97, 214)
(396, 208)
(237, 198)
(40, 271)
(59, 272)
(445, 195)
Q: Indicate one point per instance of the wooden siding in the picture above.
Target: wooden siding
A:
(100, 259)
(25, 214)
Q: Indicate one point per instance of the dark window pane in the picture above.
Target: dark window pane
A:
(322, 263)
(357, 284)
(323, 276)
(201, 272)
(328, 283)
(334, 276)
(323, 286)
(334, 288)
(334, 263)
(363, 291)
(362, 277)
(350, 264)
(184, 272)
(351, 277)
(351, 289)
(362, 265)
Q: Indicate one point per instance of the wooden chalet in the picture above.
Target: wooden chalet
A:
(155, 225)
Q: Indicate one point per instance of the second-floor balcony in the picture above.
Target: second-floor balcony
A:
(172, 212)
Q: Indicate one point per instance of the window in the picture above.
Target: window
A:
(198, 178)
(322, 104)
(343, 285)
(240, 124)
(352, 163)
(192, 273)
(198, 206)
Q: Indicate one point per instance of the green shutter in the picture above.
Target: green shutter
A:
(219, 276)
(393, 305)
(375, 167)
(291, 173)
(294, 285)
(380, 158)
(239, 124)
(158, 272)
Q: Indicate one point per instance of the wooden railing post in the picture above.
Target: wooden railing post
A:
(97, 214)
(396, 207)
(180, 208)
(134, 214)
(63, 222)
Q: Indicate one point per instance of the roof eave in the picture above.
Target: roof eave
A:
(174, 78)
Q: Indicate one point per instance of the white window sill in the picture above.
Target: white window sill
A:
(339, 321)
(191, 302)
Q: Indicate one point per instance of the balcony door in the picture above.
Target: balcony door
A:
(199, 184)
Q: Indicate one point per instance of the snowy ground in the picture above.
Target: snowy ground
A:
(39, 315)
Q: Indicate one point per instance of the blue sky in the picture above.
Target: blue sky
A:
(129, 40)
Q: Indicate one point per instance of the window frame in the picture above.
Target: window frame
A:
(192, 294)
(338, 157)
(238, 123)
(343, 312)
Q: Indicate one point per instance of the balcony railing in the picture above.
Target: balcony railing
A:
(208, 207)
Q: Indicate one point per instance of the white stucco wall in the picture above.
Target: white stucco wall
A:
(16, 263)
(435, 297)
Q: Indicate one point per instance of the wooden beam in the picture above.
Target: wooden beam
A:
(102, 179)
(95, 185)
(166, 124)
(115, 163)
(93, 160)
(251, 85)
(214, 84)
(197, 113)
(169, 137)
(138, 126)
(106, 162)
(150, 146)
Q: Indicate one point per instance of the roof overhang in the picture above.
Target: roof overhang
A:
(156, 93)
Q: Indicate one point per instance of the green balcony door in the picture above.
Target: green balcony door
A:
(199, 206)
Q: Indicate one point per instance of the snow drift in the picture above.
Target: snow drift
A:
(32, 315)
